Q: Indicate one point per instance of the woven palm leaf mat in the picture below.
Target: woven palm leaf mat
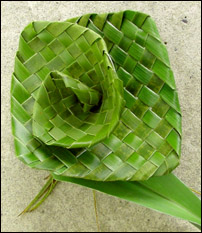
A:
(94, 97)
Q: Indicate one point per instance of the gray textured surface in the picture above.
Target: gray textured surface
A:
(70, 207)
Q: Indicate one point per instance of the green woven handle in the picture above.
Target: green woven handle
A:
(94, 98)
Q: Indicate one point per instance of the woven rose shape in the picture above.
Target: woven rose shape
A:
(95, 98)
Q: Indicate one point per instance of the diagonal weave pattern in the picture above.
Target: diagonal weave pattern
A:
(68, 86)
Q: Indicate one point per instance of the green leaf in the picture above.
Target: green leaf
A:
(166, 194)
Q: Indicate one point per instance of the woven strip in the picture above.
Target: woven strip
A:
(95, 98)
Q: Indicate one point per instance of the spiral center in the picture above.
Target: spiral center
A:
(87, 96)
(79, 105)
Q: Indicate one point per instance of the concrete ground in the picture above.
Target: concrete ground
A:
(70, 207)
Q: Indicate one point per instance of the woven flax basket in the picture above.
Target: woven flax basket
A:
(94, 97)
